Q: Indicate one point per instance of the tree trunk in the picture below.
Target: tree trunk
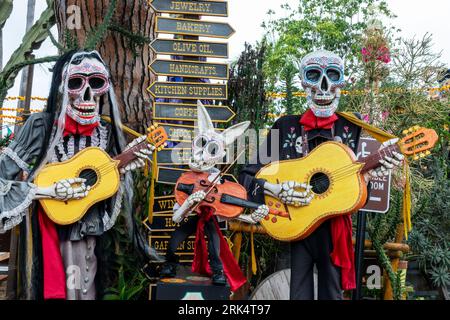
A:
(129, 68)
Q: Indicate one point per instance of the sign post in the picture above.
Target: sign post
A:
(379, 193)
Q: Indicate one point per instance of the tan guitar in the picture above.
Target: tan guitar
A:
(336, 179)
(98, 168)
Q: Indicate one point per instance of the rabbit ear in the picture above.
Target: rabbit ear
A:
(234, 132)
(204, 121)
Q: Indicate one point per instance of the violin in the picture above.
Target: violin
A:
(228, 199)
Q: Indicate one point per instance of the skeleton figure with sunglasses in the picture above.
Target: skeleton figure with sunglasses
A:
(329, 247)
(208, 149)
(61, 263)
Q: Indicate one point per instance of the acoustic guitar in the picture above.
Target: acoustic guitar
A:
(100, 171)
(336, 179)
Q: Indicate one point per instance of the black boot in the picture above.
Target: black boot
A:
(218, 278)
(168, 270)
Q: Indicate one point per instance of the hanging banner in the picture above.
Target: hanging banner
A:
(203, 8)
(189, 90)
(190, 48)
(191, 27)
(191, 69)
(188, 112)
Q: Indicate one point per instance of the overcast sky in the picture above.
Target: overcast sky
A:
(415, 17)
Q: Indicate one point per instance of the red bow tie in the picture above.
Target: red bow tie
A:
(73, 128)
(311, 122)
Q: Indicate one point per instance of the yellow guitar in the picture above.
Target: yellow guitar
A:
(98, 168)
(336, 179)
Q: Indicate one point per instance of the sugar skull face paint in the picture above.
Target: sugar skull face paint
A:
(322, 74)
(87, 82)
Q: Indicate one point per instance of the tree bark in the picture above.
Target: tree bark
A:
(129, 69)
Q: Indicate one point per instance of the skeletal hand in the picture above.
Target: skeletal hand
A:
(388, 163)
(288, 192)
(196, 198)
(68, 189)
(142, 155)
(260, 213)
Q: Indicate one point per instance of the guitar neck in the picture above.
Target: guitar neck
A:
(128, 156)
(373, 161)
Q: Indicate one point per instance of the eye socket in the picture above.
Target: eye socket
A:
(97, 82)
(313, 75)
(200, 142)
(75, 83)
(213, 148)
(334, 75)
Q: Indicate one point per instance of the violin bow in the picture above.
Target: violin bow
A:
(224, 172)
(217, 179)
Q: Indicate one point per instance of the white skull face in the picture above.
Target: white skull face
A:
(87, 82)
(322, 75)
(207, 151)
(209, 146)
(299, 145)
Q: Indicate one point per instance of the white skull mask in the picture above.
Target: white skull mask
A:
(87, 81)
(209, 146)
(322, 74)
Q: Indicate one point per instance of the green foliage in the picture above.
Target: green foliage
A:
(430, 237)
(5, 141)
(21, 56)
(335, 25)
(127, 289)
(247, 95)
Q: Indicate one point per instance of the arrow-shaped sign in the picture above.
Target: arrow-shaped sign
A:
(189, 90)
(190, 48)
(193, 27)
(188, 112)
(167, 175)
(176, 156)
(180, 133)
(191, 69)
(204, 8)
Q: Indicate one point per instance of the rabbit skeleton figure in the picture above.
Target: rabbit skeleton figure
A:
(208, 149)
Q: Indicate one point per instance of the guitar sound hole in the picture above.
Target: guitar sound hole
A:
(90, 176)
(320, 183)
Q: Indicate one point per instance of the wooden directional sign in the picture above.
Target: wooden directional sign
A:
(189, 90)
(193, 27)
(203, 8)
(164, 204)
(160, 243)
(168, 175)
(188, 112)
(190, 48)
(163, 223)
(176, 156)
(191, 69)
(179, 133)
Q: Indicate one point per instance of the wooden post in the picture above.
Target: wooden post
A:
(26, 81)
(388, 292)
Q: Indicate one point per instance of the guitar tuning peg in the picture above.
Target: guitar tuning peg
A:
(411, 130)
(422, 155)
(428, 152)
(416, 128)
(405, 132)
(416, 157)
